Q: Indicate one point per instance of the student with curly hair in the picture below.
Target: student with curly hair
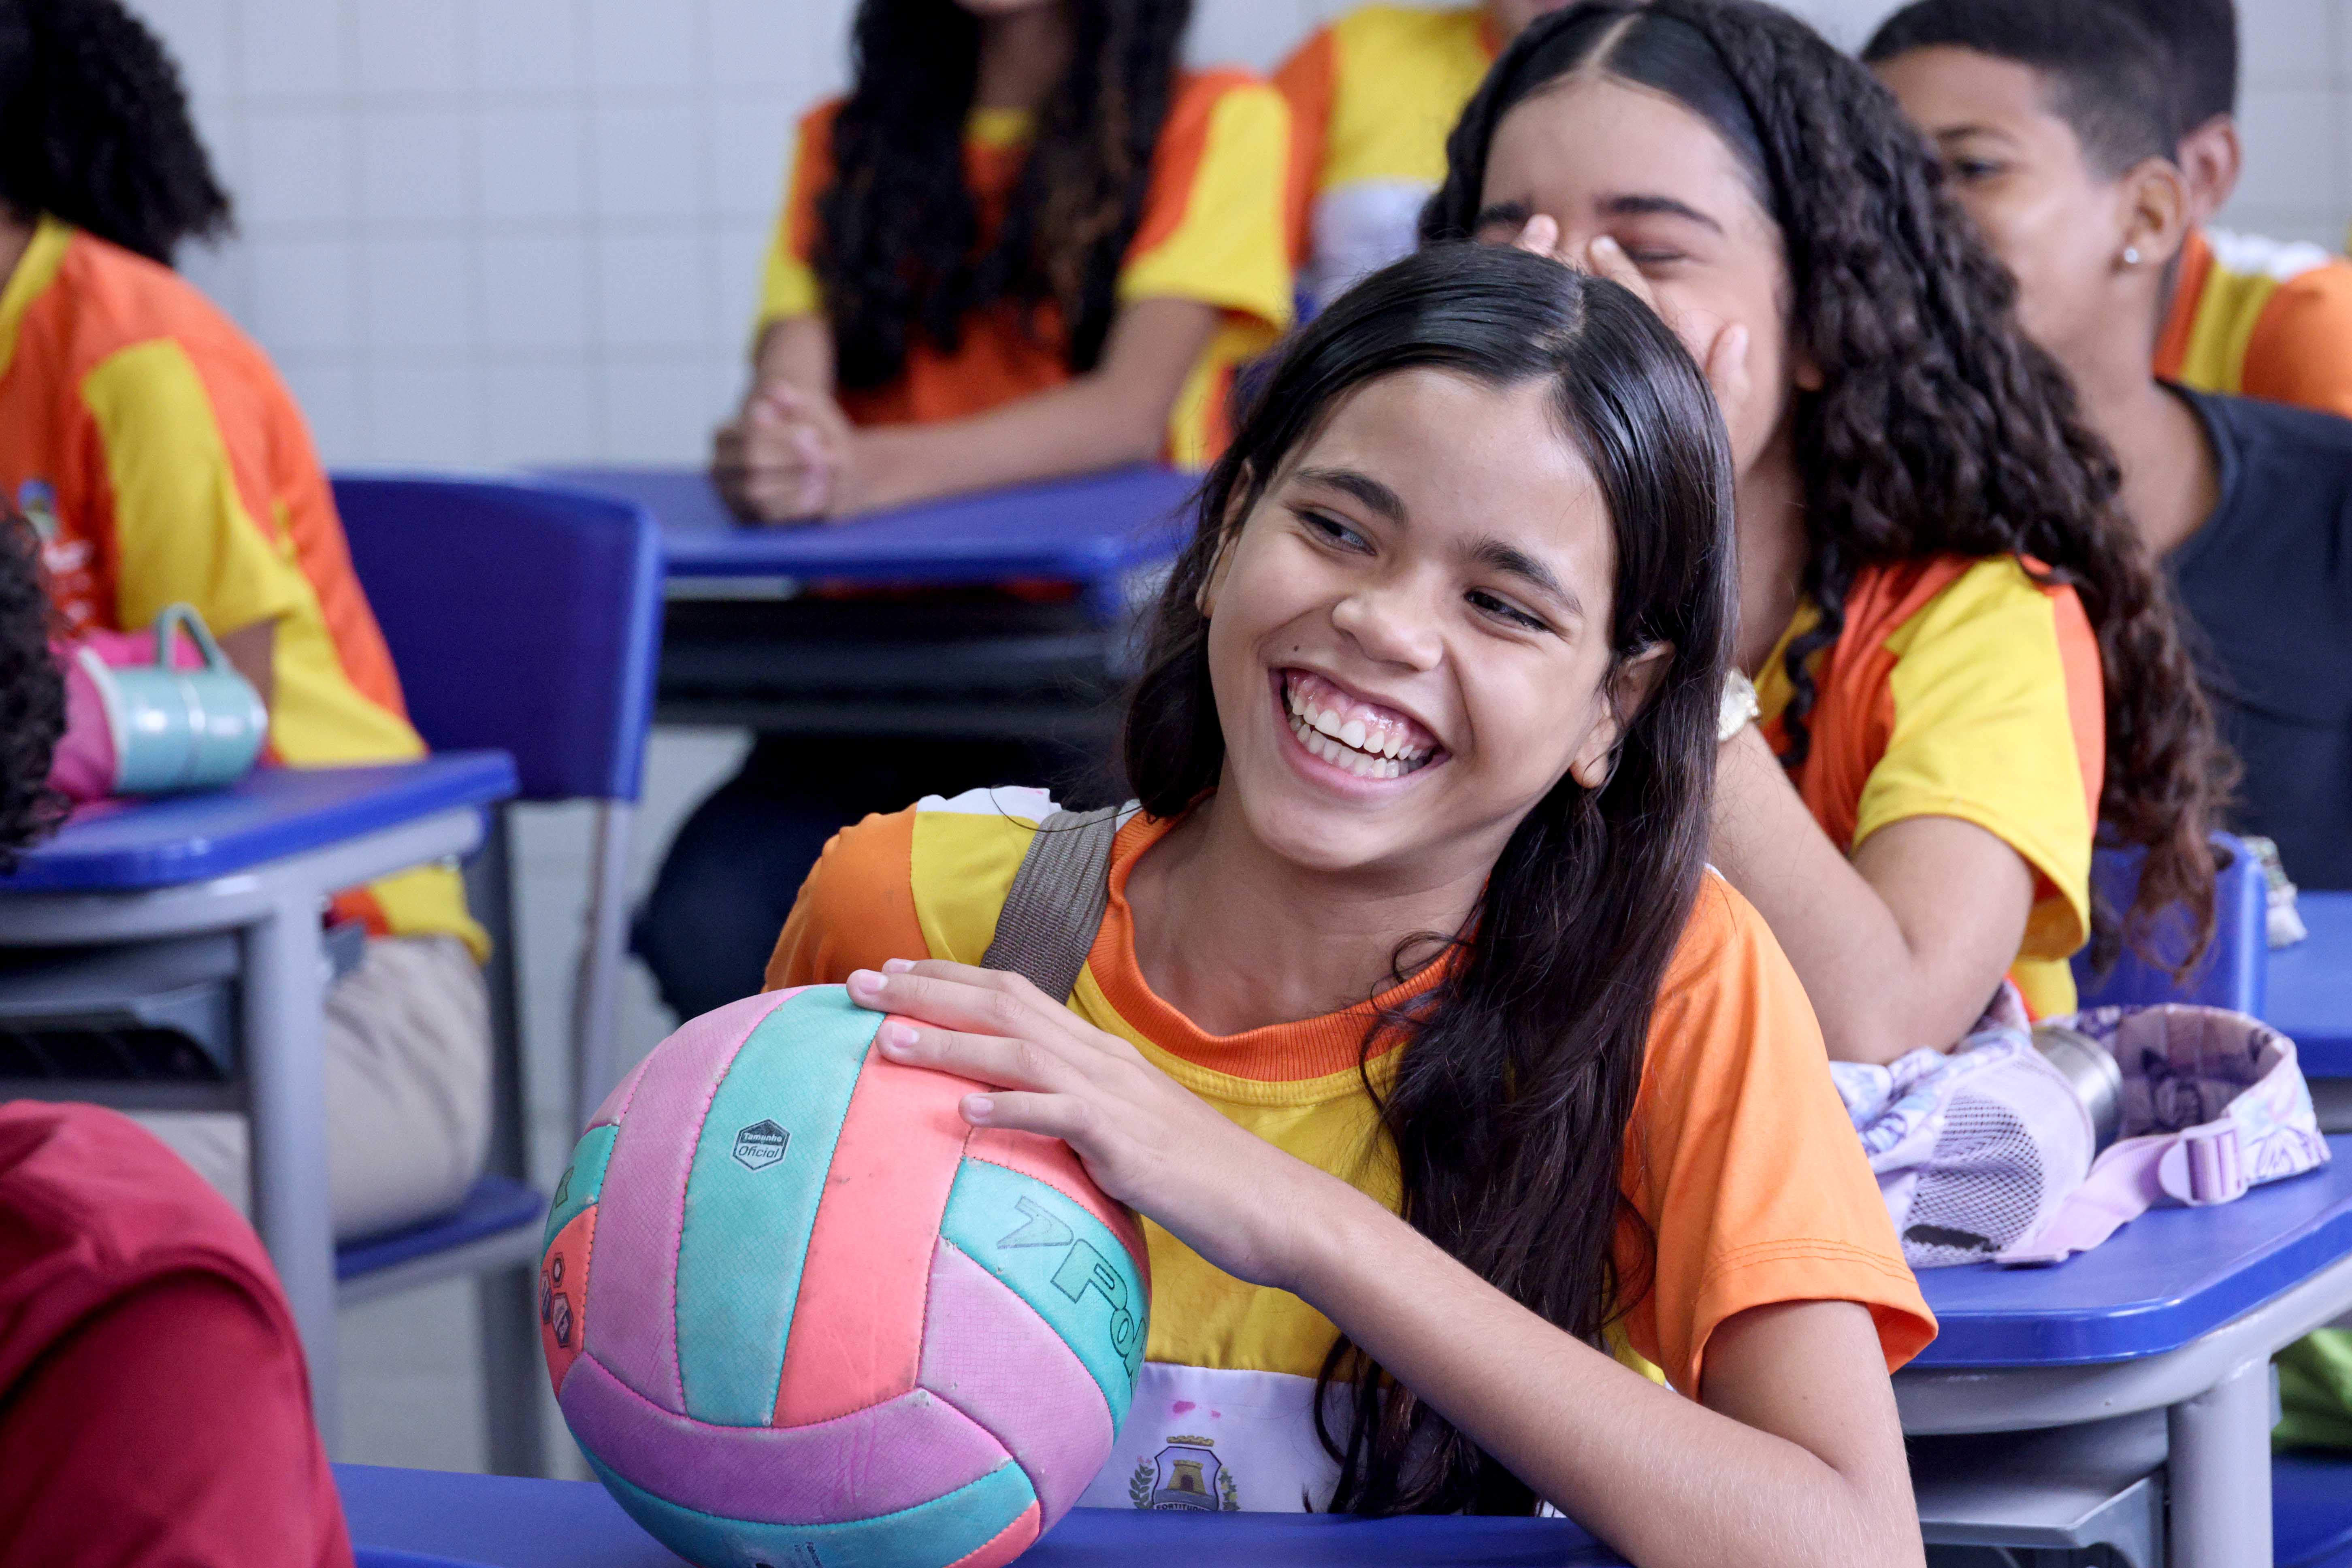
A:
(1964, 663)
(160, 458)
(32, 695)
(2058, 146)
(1028, 243)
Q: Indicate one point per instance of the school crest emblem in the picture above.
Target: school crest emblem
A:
(1186, 1474)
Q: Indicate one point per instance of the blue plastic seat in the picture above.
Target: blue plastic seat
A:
(2311, 1510)
(525, 617)
(2230, 974)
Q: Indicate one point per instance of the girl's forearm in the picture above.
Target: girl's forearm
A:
(1664, 1480)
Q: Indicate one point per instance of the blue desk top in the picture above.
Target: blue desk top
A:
(1085, 531)
(119, 847)
(2167, 1277)
(503, 1522)
(2311, 986)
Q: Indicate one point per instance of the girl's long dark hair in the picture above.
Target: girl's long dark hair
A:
(1516, 1080)
(900, 251)
(94, 129)
(1938, 428)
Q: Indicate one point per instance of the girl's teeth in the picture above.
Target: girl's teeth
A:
(1351, 734)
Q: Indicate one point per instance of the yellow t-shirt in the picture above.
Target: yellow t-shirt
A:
(1372, 98)
(1739, 1160)
(1962, 688)
(2258, 318)
(1212, 230)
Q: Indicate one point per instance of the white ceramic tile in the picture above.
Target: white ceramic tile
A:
(533, 163)
(539, 412)
(414, 46)
(197, 34)
(529, 45)
(224, 273)
(535, 291)
(293, 47)
(754, 42)
(741, 259)
(412, 164)
(2290, 137)
(652, 289)
(2283, 43)
(327, 389)
(632, 44)
(305, 295)
(751, 155)
(662, 410)
(423, 414)
(298, 167)
(648, 161)
(418, 295)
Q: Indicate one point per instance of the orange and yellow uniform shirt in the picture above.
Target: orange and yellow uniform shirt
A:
(1962, 688)
(1372, 98)
(1212, 230)
(153, 449)
(1740, 1159)
(2258, 318)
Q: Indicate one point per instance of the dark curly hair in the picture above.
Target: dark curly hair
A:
(94, 129)
(1516, 1076)
(32, 695)
(1938, 429)
(902, 248)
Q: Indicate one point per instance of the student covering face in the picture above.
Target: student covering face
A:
(2054, 141)
(1414, 922)
(1964, 664)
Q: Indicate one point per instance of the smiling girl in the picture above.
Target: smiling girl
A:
(1965, 664)
(1415, 1026)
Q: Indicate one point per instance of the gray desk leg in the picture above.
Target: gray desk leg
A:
(285, 1028)
(2221, 1473)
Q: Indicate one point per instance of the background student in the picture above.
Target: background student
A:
(1430, 707)
(156, 453)
(2247, 315)
(1372, 96)
(1964, 663)
(2056, 140)
(1028, 243)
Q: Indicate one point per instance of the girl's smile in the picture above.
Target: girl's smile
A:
(1365, 741)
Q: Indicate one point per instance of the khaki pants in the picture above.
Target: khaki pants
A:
(408, 1091)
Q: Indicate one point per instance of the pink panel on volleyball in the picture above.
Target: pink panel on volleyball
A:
(856, 1336)
(644, 1196)
(988, 1353)
(564, 1294)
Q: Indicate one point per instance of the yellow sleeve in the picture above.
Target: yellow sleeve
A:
(1998, 719)
(182, 530)
(1213, 226)
(788, 285)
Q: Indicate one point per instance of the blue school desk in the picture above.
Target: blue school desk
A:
(2178, 1313)
(259, 859)
(2311, 986)
(927, 646)
(423, 1519)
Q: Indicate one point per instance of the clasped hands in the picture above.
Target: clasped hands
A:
(790, 455)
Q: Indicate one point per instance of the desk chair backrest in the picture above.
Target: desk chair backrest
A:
(527, 617)
(2231, 972)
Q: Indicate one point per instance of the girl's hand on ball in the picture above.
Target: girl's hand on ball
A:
(1145, 1139)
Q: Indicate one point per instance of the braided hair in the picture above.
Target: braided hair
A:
(901, 249)
(94, 129)
(1938, 428)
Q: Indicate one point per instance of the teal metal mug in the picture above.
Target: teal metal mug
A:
(181, 729)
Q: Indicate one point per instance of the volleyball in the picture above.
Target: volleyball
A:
(797, 1313)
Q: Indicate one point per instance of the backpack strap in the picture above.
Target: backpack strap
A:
(1057, 901)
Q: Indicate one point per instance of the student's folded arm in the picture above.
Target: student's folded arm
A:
(1900, 947)
(1114, 414)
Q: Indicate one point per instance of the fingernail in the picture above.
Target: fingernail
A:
(897, 966)
(978, 1108)
(896, 1038)
(864, 982)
